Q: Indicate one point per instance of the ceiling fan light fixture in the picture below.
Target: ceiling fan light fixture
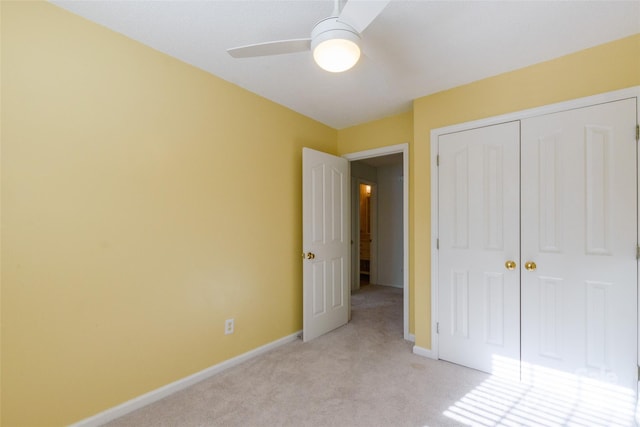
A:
(336, 55)
(335, 45)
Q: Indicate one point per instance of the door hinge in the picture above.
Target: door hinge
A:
(637, 252)
(637, 132)
(437, 327)
(437, 159)
(437, 243)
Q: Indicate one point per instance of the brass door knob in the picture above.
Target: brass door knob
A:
(530, 266)
(310, 255)
(510, 265)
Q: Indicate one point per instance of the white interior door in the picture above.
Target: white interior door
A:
(579, 226)
(325, 242)
(478, 297)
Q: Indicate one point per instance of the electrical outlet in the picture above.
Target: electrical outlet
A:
(228, 326)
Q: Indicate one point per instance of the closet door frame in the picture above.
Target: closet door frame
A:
(633, 92)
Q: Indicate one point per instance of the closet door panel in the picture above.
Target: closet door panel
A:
(579, 227)
(479, 231)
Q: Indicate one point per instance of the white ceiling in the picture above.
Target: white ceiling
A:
(414, 48)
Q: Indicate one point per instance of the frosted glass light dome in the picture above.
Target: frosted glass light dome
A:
(336, 55)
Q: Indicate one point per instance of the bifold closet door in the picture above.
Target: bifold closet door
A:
(579, 236)
(478, 293)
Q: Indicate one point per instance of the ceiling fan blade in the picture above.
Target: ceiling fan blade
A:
(271, 48)
(360, 13)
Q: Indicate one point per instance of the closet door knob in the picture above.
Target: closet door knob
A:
(530, 266)
(510, 265)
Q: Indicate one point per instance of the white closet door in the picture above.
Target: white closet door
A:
(579, 221)
(478, 297)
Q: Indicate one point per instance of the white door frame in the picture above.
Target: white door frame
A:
(383, 151)
(518, 115)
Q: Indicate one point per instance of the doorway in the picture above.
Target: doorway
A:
(382, 172)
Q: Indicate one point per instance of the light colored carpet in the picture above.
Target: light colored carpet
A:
(364, 374)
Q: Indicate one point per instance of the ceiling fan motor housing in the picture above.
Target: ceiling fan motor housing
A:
(331, 28)
(335, 45)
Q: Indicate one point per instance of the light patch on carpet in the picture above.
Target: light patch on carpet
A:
(544, 397)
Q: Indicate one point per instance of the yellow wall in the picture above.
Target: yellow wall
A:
(144, 202)
(392, 130)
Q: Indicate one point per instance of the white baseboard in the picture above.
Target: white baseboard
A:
(424, 352)
(410, 337)
(164, 391)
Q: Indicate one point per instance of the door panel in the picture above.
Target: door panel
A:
(479, 231)
(325, 180)
(579, 225)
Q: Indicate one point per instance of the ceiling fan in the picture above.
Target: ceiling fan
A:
(334, 41)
